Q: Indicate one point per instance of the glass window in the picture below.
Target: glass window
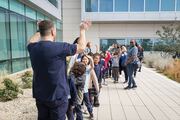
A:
(58, 24)
(28, 62)
(147, 44)
(178, 5)
(121, 41)
(4, 4)
(4, 37)
(54, 2)
(59, 35)
(91, 5)
(47, 18)
(167, 5)
(21, 36)
(106, 5)
(5, 66)
(17, 36)
(59, 30)
(30, 13)
(18, 65)
(104, 44)
(137, 5)
(152, 5)
(30, 27)
(16, 6)
(40, 16)
(121, 5)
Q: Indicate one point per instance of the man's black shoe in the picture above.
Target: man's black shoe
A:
(91, 116)
(134, 86)
(128, 87)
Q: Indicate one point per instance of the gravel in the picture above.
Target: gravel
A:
(22, 108)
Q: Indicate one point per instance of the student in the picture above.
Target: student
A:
(97, 68)
(140, 56)
(122, 60)
(115, 66)
(78, 77)
(107, 57)
(87, 60)
(48, 59)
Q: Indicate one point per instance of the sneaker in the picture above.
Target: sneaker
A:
(127, 88)
(96, 103)
(134, 86)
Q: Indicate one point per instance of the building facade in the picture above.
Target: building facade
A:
(18, 21)
(119, 21)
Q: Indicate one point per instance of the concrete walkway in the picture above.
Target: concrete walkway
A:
(155, 98)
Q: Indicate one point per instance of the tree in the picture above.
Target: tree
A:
(171, 36)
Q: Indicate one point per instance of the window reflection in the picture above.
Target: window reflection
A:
(106, 5)
(91, 5)
(147, 44)
(121, 5)
(152, 5)
(137, 5)
(18, 23)
(167, 5)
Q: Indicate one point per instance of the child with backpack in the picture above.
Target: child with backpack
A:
(77, 75)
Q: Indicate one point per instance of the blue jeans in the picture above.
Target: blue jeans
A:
(130, 70)
(78, 111)
(87, 102)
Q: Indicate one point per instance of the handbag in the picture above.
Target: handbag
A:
(137, 63)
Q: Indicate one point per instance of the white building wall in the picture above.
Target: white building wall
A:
(72, 18)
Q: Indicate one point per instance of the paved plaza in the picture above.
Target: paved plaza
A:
(155, 98)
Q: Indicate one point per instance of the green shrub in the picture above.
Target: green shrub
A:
(10, 91)
(27, 80)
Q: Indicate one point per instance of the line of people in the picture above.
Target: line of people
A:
(98, 67)
(88, 93)
(124, 60)
(61, 89)
(127, 61)
(48, 59)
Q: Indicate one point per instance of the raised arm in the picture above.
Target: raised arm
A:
(91, 62)
(82, 39)
(35, 38)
